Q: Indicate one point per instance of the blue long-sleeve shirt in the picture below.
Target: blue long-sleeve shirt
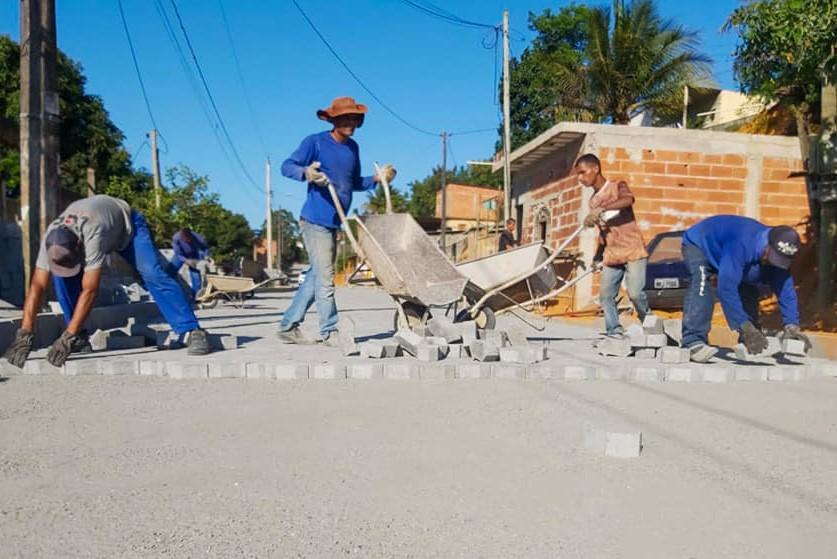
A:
(341, 164)
(197, 249)
(733, 246)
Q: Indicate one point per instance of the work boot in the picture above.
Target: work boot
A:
(293, 336)
(702, 353)
(618, 335)
(198, 342)
(343, 338)
(81, 343)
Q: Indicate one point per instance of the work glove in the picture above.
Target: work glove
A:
(792, 332)
(752, 338)
(314, 175)
(592, 218)
(386, 173)
(17, 353)
(62, 348)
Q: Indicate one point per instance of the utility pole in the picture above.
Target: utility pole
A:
(444, 190)
(825, 170)
(685, 107)
(506, 122)
(269, 217)
(155, 164)
(91, 182)
(38, 126)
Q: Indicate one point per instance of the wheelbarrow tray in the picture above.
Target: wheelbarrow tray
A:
(407, 262)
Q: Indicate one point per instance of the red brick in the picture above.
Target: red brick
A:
(648, 155)
(621, 153)
(776, 174)
(654, 168)
(786, 200)
(734, 160)
(666, 155)
(689, 157)
(699, 170)
(712, 158)
(677, 169)
(720, 171)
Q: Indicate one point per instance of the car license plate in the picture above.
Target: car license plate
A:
(666, 283)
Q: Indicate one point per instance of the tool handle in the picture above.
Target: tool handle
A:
(344, 220)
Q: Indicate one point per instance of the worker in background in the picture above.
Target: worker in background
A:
(329, 156)
(74, 250)
(743, 254)
(507, 239)
(624, 255)
(190, 248)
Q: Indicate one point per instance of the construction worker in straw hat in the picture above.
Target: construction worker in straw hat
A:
(329, 156)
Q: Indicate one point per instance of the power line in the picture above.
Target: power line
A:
(211, 98)
(136, 65)
(253, 119)
(356, 78)
(440, 13)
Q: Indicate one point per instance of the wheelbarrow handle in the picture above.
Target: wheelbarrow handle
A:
(342, 214)
(385, 184)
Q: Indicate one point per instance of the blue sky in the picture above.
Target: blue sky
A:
(434, 74)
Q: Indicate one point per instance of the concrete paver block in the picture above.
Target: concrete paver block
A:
(291, 371)
(372, 350)
(634, 330)
(444, 328)
(99, 340)
(497, 338)
(119, 366)
(545, 371)
(774, 346)
(823, 367)
(458, 351)
(220, 369)
(751, 373)
(613, 372)
(656, 340)
(473, 371)
(653, 324)
(742, 354)
(260, 371)
(646, 353)
(579, 372)
(674, 355)
(673, 328)
(712, 373)
(427, 352)
(122, 342)
(615, 347)
(401, 370)
(517, 335)
(187, 369)
(509, 371)
(787, 373)
(437, 371)
(638, 340)
(523, 354)
(40, 367)
(222, 342)
(152, 368)
(327, 371)
(794, 347)
(646, 373)
(484, 350)
(346, 336)
(467, 329)
(365, 371)
(613, 441)
(83, 367)
(683, 373)
(408, 340)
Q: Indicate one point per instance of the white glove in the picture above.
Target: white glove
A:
(314, 175)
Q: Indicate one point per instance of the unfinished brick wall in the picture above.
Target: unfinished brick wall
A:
(560, 201)
(783, 199)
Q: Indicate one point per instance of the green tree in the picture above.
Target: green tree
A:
(286, 231)
(423, 192)
(377, 202)
(638, 61)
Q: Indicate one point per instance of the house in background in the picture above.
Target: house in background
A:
(678, 177)
(473, 220)
(710, 109)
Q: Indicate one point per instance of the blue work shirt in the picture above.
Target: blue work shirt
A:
(341, 164)
(733, 246)
(197, 249)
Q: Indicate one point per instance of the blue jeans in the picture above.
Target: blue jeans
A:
(194, 274)
(634, 274)
(154, 271)
(699, 304)
(320, 243)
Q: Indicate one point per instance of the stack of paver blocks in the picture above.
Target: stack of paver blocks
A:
(649, 341)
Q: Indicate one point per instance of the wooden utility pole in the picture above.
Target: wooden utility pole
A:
(269, 217)
(506, 122)
(155, 164)
(91, 182)
(39, 122)
(685, 107)
(825, 171)
(444, 191)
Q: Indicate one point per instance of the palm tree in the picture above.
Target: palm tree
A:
(637, 60)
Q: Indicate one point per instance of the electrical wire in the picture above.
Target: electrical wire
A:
(357, 79)
(136, 65)
(440, 13)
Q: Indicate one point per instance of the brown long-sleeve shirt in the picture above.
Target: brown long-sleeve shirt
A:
(620, 235)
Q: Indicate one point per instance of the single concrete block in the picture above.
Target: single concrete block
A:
(327, 371)
(227, 370)
(823, 367)
(484, 350)
(260, 371)
(645, 373)
(656, 340)
(638, 340)
(437, 371)
(615, 347)
(579, 372)
(99, 340)
(613, 372)
(152, 368)
(421, 330)
(774, 346)
(187, 369)
(683, 373)
(753, 373)
(401, 370)
(616, 442)
(120, 366)
(509, 371)
(517, 335)
(372, 350)
(713, 373)
(458, 351)
(545, 371)
(83, 367)
(467, 330)
(674, 355)
(291, 371)
(497, 338)
(653, 324)
(794, 347)
(787, 373)
(473, 371)
(634, 330)
(646, 353)
(523, 354)
(444, 328)
(742, 354)
(365, 371)
(118, 343)
(40, 367)
(673, 328)
(408, 340)
(428, 353)
(222, 342)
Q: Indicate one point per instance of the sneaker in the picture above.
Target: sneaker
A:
(198, 342)
(702, 353)
(293, 336)
(343, 338)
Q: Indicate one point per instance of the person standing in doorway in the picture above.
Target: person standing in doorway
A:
(507, 239)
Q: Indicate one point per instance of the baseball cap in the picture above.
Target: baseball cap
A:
(782, 244)
(64, 252)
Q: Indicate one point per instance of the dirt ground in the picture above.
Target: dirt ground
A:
(150, 467)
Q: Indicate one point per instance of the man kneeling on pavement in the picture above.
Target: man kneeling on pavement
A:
(743, 254)
(74, 250)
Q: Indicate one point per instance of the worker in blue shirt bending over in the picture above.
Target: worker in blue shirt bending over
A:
(744, 254)
(330, 156)
(189, 248)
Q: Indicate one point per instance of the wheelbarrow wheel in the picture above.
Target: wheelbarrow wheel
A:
(416, 316)
(485, 319)
(204, 301)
